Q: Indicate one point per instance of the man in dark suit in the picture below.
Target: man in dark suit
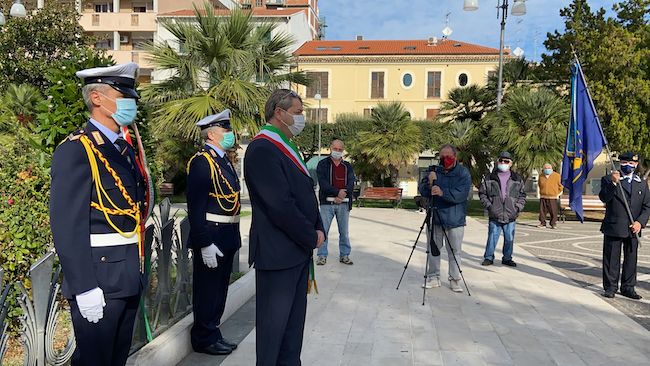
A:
(616, 189)
(213, 209)
(96, 214)
(286, 227)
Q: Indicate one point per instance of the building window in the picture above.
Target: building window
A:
(432, 113)
(104, 8)
(135, 57)
(139, 9)
(433, 84)
(104, 45)
(462, 79)
(135, 19)
(95, 19)
(319, 80)
(377, 85)
(367, 112)
(258, 3)
(312, 114)
(141, 44)
(407, 80)
(492, 77)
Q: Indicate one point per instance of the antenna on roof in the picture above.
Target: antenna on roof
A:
(447, 31)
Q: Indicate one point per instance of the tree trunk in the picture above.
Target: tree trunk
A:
(394, 172)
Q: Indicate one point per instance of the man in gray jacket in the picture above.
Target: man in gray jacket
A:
(503, 196)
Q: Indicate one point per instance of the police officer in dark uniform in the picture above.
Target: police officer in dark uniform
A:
(616, 225)
(214, 208)
(96, 214)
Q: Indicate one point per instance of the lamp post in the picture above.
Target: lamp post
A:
(518, 8)
(318, 98)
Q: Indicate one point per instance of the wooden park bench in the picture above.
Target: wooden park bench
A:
(382, 193)
(166, 189)
(589, 203)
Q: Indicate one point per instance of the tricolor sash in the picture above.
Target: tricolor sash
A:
(278, 138)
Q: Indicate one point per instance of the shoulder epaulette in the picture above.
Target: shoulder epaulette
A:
(75, 135)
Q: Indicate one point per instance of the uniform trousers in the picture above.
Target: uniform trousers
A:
(612, 263)
(107, 342)
(210, 292)
(548, 205)
(281, 306)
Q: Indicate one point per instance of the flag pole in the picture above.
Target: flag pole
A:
(609, 153)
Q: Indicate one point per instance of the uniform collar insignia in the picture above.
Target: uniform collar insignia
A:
(98, 137)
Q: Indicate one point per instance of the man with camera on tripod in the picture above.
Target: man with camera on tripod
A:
(446, 186)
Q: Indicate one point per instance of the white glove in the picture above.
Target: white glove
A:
(210, 254)
(91, 304)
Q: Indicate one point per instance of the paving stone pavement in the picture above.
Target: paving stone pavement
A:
(546, 311)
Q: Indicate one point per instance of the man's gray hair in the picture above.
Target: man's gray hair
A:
(337, 140)
(204, 132)
(87, 89)
(280, 98)
(452, 147)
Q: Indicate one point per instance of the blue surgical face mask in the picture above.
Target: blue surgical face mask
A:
(503, 167)
(548, 171)
(228, 140)
(626, 169)
(126, 112)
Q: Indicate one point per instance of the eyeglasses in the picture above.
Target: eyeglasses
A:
(289, 92)
(505, 161)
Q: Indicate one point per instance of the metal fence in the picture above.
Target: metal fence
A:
(166, 299)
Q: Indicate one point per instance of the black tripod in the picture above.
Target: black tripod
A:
(428, 220)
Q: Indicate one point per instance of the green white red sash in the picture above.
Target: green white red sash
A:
(274, 135)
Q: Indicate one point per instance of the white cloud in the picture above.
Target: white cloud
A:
(418, 19)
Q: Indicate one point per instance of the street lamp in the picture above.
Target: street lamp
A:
(318, 98)
(518, 8)
(18, 9)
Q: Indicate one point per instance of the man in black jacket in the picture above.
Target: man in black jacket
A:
(286, 228)
(503, 196)
(616, 225)
(336, 180)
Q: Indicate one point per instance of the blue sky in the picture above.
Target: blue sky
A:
(419, 19)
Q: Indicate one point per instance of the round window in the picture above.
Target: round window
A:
(462, 79)
(407, 80)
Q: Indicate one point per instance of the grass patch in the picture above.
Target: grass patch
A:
(235, 276)
(245, 213)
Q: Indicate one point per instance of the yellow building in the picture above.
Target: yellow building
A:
(353, 76)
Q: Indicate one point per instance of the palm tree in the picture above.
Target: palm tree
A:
(466, 109)
(222, 62)
(17, 111)
(392, 140)
(532, 127)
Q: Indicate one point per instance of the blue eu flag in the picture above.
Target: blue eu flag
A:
(584, 142)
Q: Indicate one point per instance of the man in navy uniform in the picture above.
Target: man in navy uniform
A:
(213, 206)
(286, 227)
(96, 205)
(616, 225)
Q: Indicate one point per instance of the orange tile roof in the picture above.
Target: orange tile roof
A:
(258, 12)
(397, 47)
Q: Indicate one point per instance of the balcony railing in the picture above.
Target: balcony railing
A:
(138, 22)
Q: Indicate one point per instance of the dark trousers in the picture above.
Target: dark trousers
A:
(612, 263)
(210, 291)
(421, 202)
(280, 314)
(548, 205)
(107, 342)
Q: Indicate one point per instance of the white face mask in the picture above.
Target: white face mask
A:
(298, 123)
(336, 154)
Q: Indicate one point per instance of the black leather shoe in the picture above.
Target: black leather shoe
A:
(609, 294)
(487, 262)
(227, 343)
(509, 262)
(631, 294)
(215, 349)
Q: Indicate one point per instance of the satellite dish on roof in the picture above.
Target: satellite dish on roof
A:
(447, 31)
(518, 52)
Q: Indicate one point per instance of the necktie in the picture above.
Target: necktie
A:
(125, 149)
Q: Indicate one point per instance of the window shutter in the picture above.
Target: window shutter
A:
(432, 113)
(380, 85)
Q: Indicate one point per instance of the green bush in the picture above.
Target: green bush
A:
(24, 216)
